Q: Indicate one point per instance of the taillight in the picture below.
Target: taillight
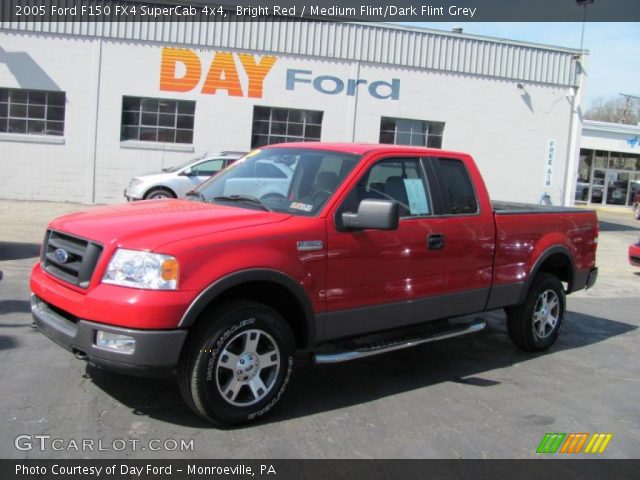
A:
(596, 233)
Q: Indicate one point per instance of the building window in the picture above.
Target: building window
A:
(157, 120)
(610, 178)
(31, 112)
(280, 125)
(403, 131)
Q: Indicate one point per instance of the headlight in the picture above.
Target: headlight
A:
(137, 269)
(135, 182)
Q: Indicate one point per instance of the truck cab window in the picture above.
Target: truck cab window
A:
(457, 187)
(397, 179)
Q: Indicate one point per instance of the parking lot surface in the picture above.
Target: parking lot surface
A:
(471, 397)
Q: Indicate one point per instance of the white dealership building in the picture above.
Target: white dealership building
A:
(86, 106)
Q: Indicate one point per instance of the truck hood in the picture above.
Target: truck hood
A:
(149, 224)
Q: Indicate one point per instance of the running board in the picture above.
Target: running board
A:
(345, 356)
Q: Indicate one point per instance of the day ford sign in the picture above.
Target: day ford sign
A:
(182, 70)
(330, 85)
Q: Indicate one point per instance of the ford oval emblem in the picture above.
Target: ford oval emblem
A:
(61, 255)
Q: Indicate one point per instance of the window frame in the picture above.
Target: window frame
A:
(285, 137)
(427, 124)
(139, 125)
(434, 162)
(47, 107)
(430, 182)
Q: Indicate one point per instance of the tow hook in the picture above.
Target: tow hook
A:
(79, 354)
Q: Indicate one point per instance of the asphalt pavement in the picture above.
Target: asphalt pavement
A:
(471, 397)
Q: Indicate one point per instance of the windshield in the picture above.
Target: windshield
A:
(183, 164)
(292, 180)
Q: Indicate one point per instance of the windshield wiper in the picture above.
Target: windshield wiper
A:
(193, 193)
(243, 199)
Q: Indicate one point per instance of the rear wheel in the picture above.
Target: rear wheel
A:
(157, 193)
(237, 365)
(535, 325)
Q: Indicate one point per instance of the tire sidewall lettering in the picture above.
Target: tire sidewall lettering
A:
(221, 342)
(275, 399)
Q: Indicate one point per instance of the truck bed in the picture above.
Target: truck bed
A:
(527, 233)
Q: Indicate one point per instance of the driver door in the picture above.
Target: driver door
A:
(382, 279)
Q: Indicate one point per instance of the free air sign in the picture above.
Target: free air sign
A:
(549, 162)
(244, 75)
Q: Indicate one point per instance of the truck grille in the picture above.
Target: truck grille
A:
(70, 258)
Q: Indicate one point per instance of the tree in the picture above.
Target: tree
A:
(620, 109)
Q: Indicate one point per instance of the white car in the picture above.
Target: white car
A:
(175, 182)
(266, 177)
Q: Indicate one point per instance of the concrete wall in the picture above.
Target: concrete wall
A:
(505, 128)
(49, 168)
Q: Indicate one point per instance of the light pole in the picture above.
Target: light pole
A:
(575, 122)
(583, 4)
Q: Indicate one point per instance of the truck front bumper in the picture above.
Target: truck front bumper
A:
(155, 352)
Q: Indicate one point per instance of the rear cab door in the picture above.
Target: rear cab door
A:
(470, 240)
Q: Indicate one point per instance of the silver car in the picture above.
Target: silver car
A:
(175, 182)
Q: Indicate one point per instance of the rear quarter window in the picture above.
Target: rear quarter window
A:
(457, 187)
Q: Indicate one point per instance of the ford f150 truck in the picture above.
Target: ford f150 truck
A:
(364, 250)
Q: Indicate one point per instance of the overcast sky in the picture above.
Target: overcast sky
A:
(614, 49)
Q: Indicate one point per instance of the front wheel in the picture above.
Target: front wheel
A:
(237, 364)
(159, 193)
(535, 325)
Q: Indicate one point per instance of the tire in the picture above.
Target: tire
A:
(157, 193)
(237, 364)
(636, 212)
(535, 325)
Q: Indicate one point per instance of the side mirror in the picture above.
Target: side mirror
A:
(374, 214)
(188, 172)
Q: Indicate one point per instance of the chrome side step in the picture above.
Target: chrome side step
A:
(345, 356)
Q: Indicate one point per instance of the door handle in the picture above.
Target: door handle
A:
(435, 241)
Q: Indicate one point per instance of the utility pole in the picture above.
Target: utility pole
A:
(628, 100)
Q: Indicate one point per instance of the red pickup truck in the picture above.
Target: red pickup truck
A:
(351, 250)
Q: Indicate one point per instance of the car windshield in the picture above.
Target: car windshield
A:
(292, 180)
(183, 164)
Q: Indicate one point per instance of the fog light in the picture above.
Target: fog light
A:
(115, 342)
